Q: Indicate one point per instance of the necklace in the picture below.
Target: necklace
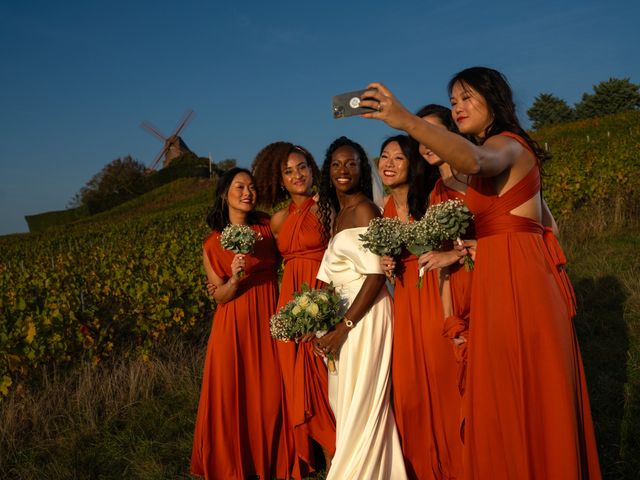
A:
(407, 218)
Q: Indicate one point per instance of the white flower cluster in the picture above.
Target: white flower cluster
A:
(239, 238)
(310, 310)
(384, 236)
(442, 222)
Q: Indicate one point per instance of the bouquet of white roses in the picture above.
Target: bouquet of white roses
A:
(309, 311)
(239, 239)
(384, 237)
(441, 223)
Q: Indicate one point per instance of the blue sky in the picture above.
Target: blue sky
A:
(78, 77)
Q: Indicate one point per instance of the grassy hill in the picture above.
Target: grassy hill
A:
(103, 322)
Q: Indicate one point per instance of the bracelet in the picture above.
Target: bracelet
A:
(348, 322)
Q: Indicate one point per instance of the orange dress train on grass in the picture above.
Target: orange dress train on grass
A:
(238, 430)
(426, 400)
(526, 403)
(308, 414)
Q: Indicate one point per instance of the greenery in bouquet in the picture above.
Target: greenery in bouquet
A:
(441, 223)
(384, 237)
(239, 239)
(309, 311)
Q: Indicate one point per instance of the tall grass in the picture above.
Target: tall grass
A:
(602, 244)
(131, 418)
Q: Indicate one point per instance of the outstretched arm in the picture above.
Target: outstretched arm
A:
(495, 156)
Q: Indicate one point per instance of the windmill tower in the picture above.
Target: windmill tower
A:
(174, 146)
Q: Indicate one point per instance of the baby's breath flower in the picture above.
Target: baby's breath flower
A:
(239, 238)
(384, 236)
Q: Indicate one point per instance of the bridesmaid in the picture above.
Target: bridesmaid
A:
(526, 402)
(456, 294)
(288, 172)
(423, 360)
(238, 429)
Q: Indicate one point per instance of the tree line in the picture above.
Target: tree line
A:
(125, 178)
(612, 96)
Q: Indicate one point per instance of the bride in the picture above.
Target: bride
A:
(367, 443)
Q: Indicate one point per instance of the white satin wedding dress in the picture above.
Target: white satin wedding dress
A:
(367, 442)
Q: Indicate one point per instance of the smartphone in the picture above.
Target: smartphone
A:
(348, 104)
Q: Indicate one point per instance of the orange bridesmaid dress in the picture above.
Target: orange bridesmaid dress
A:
(526, 403)
(238, 431)
(308, 414)
(457, 324)
(426, 400)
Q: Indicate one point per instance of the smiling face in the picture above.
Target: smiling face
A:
(297, 177)
(469, 110)
(430, 157)
(241, 196)
(393, 166)
(345, 170)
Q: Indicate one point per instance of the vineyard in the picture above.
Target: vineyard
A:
(593, 160)
(88, 291)
(124, 280)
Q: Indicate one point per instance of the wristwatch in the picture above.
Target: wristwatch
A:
(348, 322)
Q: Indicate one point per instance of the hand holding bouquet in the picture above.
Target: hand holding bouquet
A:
(384, 237)
(310, 311)
(446, 221)
(239, 239)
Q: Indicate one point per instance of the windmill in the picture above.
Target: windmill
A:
(174, 146)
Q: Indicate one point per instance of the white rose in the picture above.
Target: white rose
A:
(313, 309)
(303, 301)
(296, 310)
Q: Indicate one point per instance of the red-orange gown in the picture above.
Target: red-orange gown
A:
(457, 324)
(426, 400)
(526, 403)
(238, 430)
(308, 414)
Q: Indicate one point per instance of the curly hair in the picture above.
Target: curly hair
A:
(328, 202)
(218, 216)
(497, 93)
(267, 170)
(421, 176)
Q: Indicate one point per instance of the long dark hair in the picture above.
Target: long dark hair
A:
(267, 170)
(328, 199)
(497, 93)
(443, 114)
(421, 176)
(218, 216)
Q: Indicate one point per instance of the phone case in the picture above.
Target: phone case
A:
(348, 104)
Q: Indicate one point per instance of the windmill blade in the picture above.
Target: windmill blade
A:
(152, 130)
(183, 123)
(156, 160)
